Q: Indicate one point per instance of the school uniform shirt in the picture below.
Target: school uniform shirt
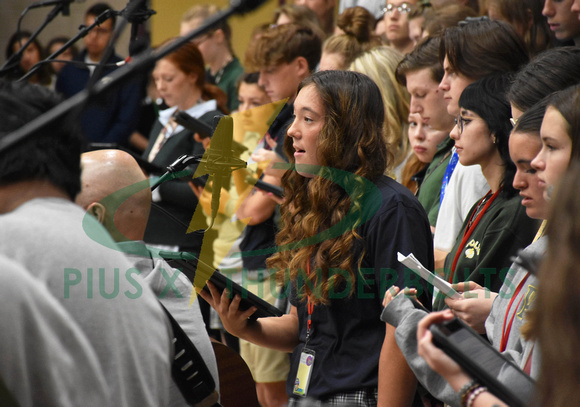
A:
(111, 118)
(347, 335)
(466, 186)
(177, 198)
(485, 259)
(401, 314)
(227, 80)
(514, 304)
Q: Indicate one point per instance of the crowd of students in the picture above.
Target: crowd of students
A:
(446, 129)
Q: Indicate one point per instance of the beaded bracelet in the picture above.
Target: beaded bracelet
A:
(474, 395)
(466, 390)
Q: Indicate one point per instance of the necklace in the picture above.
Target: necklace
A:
(220, 72)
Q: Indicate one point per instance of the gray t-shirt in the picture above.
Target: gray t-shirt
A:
(174, 290)
(45, 359)
(76, 259)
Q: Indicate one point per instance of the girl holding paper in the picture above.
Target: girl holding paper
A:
(554, 319)
(483, 117)
(497, 225)
(341, 214)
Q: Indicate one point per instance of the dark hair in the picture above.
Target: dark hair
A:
(51, 153)
(536, 35)
(249, 78)
(189, 60)
(548, 72)
(420, 10)
(487, 98)
(43, 72)
(99, 8)
(483, 47)
(283, 44)
(566, 102)
(531, 120)
(425, 55)
(447, 16)
(61, 40)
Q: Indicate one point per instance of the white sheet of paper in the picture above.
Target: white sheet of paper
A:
(412, 263)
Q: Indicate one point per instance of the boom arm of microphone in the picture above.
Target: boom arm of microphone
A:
(15, 58)
(65, 4)
(83, 32)
(139, 64)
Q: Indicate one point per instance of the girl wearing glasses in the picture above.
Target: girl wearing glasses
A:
(553, 322)
(497, 225)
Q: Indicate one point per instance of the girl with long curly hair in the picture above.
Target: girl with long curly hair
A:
(342, 224)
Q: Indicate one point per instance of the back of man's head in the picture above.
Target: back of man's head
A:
(283, 44)
(116, 176)
(50, 154)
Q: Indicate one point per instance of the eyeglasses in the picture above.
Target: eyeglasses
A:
(402, 8)
(460, 122)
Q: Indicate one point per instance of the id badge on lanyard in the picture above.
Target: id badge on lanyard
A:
(304, 372)
(306, 356)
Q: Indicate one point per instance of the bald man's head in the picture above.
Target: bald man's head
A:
(116, 192)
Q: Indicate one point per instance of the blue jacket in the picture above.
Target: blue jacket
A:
(111, 117)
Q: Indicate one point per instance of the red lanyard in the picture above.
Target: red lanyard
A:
(528, 365)
(310, 308)
(505, 333)
(470, 228)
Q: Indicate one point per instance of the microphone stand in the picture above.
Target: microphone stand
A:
(137, 17)
(84, 31)
(141, 63)
(15, 58)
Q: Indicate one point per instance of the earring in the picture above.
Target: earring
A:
(494, 139)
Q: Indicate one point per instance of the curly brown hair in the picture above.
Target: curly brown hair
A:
(350, 150)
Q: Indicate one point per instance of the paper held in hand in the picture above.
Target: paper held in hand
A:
(415, 265)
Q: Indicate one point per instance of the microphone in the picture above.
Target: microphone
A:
(204, 130)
